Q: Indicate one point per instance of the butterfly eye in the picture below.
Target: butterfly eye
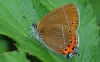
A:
(34, 25)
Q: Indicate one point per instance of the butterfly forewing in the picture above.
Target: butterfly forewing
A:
(72, 15)
(60, 16)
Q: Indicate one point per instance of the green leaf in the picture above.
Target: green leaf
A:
(13, 57)
(3, 44)
(88, 34)
(16, 27)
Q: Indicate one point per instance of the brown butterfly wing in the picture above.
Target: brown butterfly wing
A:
(71, 12)
(57, 36)
(65, 15)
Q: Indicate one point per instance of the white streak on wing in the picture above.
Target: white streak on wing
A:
(66, 16)
(63, 33)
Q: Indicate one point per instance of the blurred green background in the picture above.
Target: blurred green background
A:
(8, 44)
(96, 8)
